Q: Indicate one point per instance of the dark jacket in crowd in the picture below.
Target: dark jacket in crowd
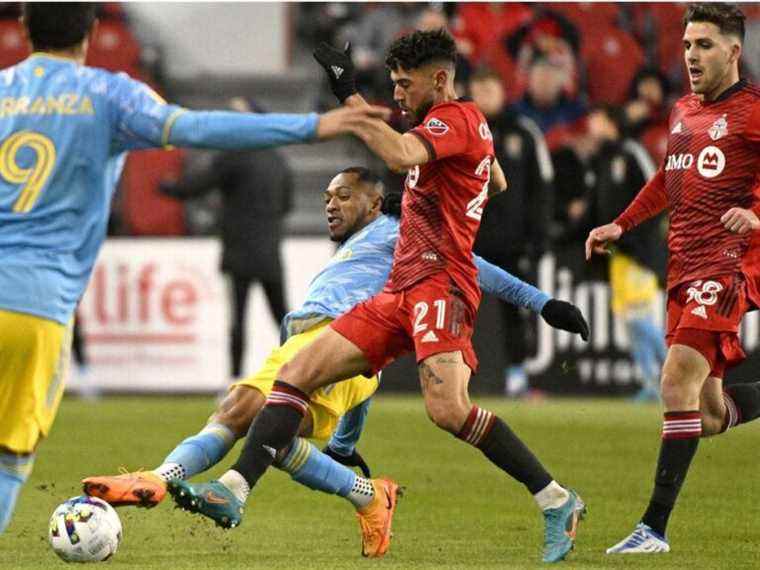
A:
(621, 169)
(516, 223)
(256, 188)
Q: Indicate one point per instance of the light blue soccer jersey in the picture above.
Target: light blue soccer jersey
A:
(360, 268)
(64, 129)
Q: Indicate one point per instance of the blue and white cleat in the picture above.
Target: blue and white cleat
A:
(560, 527)
(212, 500)
(643, 540)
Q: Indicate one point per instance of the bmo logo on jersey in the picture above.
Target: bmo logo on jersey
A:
(710, 162)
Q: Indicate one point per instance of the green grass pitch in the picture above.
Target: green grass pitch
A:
(458, 512)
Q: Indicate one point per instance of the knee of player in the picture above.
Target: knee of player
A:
(239, 416)
(446, 414)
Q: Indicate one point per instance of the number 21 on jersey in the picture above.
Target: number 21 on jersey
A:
(33, 178)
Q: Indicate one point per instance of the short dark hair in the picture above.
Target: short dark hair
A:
(366, 176)
(58, 25)
(420, 48)
(728, 17)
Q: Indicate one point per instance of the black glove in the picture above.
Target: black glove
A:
(565, 316)
(353, 460)
(339, 68)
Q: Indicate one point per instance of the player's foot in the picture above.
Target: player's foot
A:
(560, 527)
(376, 518)
(643, 540)
(212, 500)
(141, 488)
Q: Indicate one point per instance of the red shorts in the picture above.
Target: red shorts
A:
(430, 317)
(705, 315)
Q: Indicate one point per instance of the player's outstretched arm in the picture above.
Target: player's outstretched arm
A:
(502, 284)
(235, 131)
(599, 238)
(740, 221)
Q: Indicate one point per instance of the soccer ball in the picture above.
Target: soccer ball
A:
(84, 529)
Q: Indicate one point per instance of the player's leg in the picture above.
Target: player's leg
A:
(238, 290)
(274, 290)
(329, 358)
(34, 358)
(683, 376)
(647, 348)
(444, 378)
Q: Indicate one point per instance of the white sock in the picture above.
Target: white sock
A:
(236, 483)
(552, 496)
(361, 493)
(170, 471)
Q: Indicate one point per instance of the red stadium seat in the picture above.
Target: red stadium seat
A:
(13, 44)
(145, 211)
(114, 48)
(611, 57)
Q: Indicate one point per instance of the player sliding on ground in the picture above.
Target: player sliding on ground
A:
(358, 270)
(429, 302)
(707, 183)
(64, 131)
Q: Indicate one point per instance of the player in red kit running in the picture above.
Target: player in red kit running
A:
(428, 304)
(707, 182)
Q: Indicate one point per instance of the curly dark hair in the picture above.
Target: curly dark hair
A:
(58, 25)
(420, 48)
(728, 17)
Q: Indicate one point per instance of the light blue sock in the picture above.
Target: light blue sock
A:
(320, 472)
(198, 452)
(14, 471)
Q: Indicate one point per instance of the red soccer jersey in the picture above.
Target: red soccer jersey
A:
(444, 199)
(712, 165)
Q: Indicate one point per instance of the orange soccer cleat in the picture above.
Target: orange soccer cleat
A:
(141, 488)
(375, 519)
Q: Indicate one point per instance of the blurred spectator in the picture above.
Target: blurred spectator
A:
(622, 167)
(545, 102)
(480, 30)
(256, 189)
(646, 112)
(552, 36)
(514, 230)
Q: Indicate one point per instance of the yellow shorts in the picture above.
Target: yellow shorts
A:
(634, 287)
(34, 361)
(328, 403)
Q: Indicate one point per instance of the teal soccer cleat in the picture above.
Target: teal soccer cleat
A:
(561, 524)
(212, 500)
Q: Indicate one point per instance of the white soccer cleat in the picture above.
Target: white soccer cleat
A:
(643, 540)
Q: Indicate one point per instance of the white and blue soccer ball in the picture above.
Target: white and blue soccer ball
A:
(84, 529)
